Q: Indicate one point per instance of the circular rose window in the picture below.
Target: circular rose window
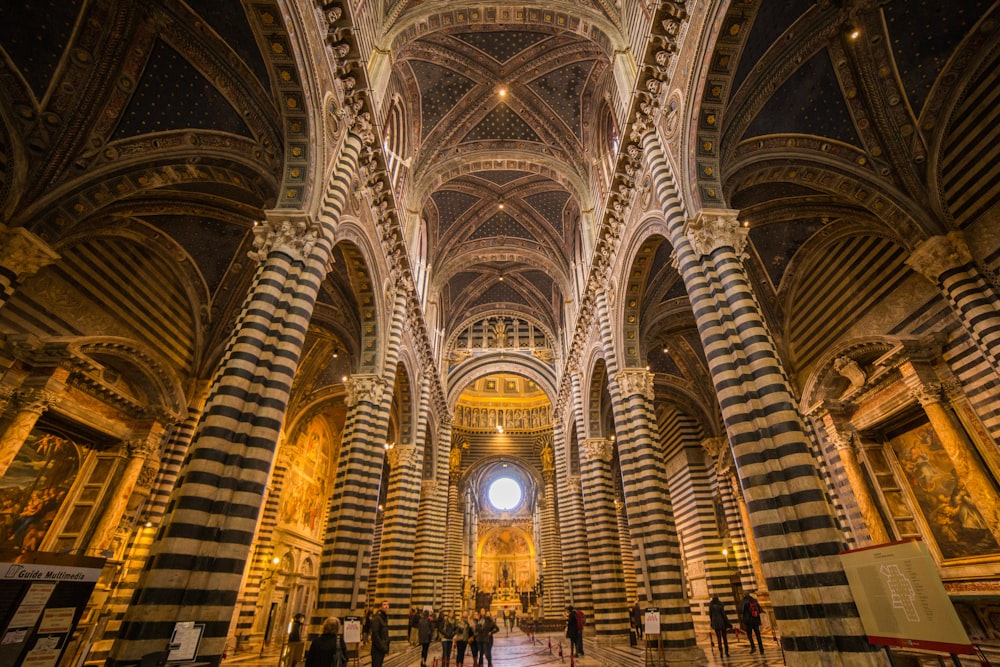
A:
(504, 494)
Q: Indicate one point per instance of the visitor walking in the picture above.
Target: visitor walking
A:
(750, 613)
(720, 623)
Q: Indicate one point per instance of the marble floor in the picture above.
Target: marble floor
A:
(515, 649)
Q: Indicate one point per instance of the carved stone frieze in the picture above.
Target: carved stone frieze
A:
(720, 452)
(717, 228)
(147, 476)
(368, 388)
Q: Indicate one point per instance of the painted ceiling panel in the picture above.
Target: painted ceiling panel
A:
(440, 89)
(541, 280)
(773, 18)
(769, 192)
(460, 281)
(501, 176)
(229, 19)
(923, 36)
(562, 89)
(502, 124)
(35, 34)
(502, 45)
(451, 205)
(777, 242)
(211, 243)
(809, 102)
(501, 224)
(550, 205)
(173, 95)
(499, 294)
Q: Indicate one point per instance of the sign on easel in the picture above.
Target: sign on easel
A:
(352, 630)
(651, 626)
(901, 599)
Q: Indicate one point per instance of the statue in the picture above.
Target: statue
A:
(548, 463)
(500, 334)
(455, 460)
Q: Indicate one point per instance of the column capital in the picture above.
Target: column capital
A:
(597, 449)
(573, 482)
(366, 387)
(428, 488)
(716, 228)
(632, 381)
(24, 253)
(401, 456)
(140, 448)
(291, 233)
(938, 254)
(35, 400)
(927, 393)
(720, 452)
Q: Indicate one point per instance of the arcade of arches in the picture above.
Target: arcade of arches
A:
(308, 305)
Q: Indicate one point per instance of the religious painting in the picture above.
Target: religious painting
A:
(955, 522)
(34, 488)
(303, 496)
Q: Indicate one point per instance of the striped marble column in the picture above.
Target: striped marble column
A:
(395, 565)
(553, 592)
(606, 576)
(22, 255)
(793, 522)
(651, 518)
(454, 580)
(173, 456)
(200, 552)
(347, 547)
(947, 262)
(572, 522)
(430, 572)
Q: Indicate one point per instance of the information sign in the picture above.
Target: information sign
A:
(652, 622)
(352, 630)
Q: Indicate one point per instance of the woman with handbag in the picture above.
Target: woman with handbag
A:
(329, 649)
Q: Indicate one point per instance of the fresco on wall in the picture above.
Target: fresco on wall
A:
(33, 489)
(955, 522)
(304, 495)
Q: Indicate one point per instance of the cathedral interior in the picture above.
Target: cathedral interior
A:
(308, 305)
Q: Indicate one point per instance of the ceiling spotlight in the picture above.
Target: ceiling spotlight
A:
(666, 350)
(500, 204)
(336, 353)
(853, 32)
(501, 278)
(502, 91)
(343, 378)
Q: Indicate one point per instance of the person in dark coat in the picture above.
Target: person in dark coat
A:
(486, 627)
(329, 649)
(380, 635)
(425, 634)
(463, 635)
(296, 647)
(448, 629)
(750, 613)
(720, 623)
(574, 631)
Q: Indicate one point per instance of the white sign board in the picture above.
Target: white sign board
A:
(901, 599)
(352, 630)
(652, 622)
(184, 641)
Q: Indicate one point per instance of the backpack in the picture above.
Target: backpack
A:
(580, 619)
(754, 609)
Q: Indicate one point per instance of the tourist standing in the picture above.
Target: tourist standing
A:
(380, 634)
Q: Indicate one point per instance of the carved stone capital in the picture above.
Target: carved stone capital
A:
(428, 488)
(147, 476)
(140, 448)
(292, 234)
(24, 253)
(573, 482)
(401, 455)
(720, 452)
(717, 228)
(632, 381)
(369, 388)
(939, 254)
(597, 449)
(927, 393)
(35, 400)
